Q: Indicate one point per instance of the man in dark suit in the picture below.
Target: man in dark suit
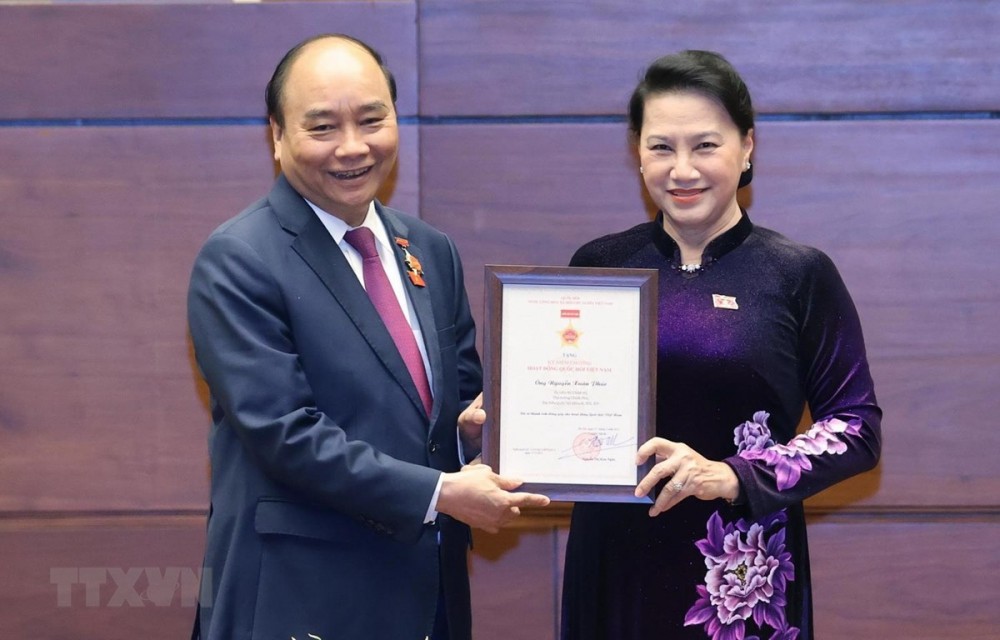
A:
(339, 505)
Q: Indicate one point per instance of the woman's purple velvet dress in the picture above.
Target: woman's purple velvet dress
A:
(732, 384)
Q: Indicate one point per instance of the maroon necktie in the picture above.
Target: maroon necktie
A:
(385, 301)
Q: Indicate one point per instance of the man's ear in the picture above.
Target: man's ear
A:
(276, 134)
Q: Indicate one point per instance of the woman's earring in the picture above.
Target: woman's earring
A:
(641, 169)
(747, 168)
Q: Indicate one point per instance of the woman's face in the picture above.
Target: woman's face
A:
(692, 154)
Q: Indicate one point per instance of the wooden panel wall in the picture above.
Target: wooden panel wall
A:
(481, 57)
(168, 61)
(127, 132)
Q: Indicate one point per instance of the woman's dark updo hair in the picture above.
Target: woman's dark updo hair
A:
(704, 72)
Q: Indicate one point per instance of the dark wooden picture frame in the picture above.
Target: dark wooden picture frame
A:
(645, 282)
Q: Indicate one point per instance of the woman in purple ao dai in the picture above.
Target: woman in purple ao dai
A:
(753, 328)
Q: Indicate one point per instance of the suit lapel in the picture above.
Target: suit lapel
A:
(420, 297)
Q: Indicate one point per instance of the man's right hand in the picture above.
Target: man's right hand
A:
(482, 499)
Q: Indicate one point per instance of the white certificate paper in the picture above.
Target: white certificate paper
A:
(570, 367)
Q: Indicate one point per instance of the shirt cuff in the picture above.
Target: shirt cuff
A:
(432, 513)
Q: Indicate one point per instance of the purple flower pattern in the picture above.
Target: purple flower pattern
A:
(748, 566)
(753, 441)
(748, 572)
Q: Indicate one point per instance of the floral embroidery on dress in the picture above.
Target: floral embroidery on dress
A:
(748, 573)
(753, 442)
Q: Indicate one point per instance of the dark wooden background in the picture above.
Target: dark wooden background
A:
(129, 131)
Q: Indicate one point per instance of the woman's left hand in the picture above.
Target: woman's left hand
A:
(687, 472)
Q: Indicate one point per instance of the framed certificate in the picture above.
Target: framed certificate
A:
(570, 386)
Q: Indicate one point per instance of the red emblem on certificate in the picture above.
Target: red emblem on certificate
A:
(570, 336)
